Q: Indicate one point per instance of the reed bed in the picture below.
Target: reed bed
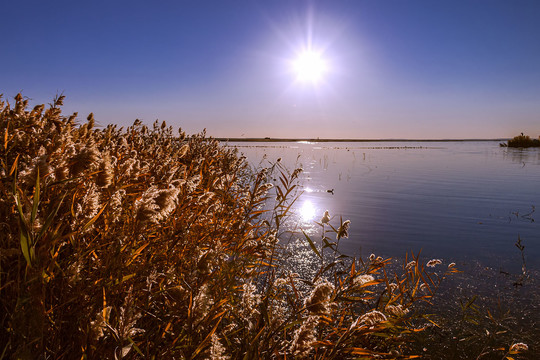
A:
(139, 243)
(522, 141)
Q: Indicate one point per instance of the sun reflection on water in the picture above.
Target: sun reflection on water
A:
(307, 211)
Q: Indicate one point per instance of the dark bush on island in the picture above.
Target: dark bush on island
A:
(523, 141)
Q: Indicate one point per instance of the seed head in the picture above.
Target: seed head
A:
(362, 279)
(105, 175)
(433, 262)
(396, 310)
(372, 318)
(326, 217)
(517, 347)
(85, 159)
(296, 172)
(393, 287)
(304, 337)
(343, 231)
(319, 297)
(217, 349)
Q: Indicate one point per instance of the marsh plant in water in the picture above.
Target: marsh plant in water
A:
(522, 141)
(139, 243)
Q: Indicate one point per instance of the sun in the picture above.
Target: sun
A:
(309, 66)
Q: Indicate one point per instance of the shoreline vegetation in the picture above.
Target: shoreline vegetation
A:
(139, 243)
(522, 141)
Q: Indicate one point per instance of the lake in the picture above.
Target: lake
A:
(457, 200)
(465, 202)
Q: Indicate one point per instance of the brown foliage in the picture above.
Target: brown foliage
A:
(138, 243)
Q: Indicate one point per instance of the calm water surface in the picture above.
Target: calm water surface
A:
(464, 202)
(460, 201)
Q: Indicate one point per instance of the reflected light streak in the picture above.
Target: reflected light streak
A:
(307, 211)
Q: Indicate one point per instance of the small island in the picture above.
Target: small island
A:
(522, 141)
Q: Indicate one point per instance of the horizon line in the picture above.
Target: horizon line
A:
(269, 139)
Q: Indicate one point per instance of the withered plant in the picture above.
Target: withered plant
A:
(139, 243)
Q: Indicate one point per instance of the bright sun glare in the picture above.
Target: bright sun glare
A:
(309, 66)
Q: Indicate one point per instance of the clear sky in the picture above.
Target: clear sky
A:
(392, 68)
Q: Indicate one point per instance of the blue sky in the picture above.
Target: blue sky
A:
(396, 69)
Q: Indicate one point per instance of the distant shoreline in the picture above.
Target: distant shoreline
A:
(348, 140)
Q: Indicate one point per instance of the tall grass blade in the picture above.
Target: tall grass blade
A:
(14, 166)
(35, 201)
(93, 220)
(312, 245)
(203, 344)
(25, 245)
(24, 234)
(134, 346)
(50, 218)
(5, 349)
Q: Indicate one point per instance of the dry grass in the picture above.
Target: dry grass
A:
(138, 243)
